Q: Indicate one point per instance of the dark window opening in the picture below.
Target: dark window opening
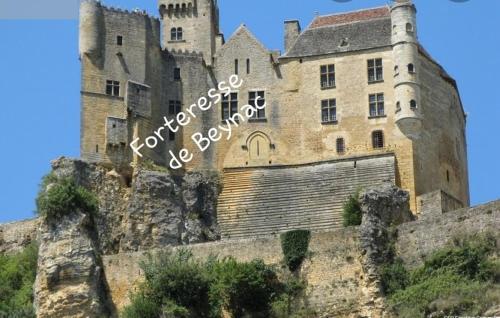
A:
(252, 96)
(96, 148)
(177, 74)
(248, 66)
(377, 105)
(398, 106)
(340, 146)
(448, 176)
(375, 70)
(329, 110)
(236, 66)
(396, 70)
(409, 27)
(112, 88)
(411, 68)
(171, 135)
(229, 105)
(119, 40)
(413, 104)
(327, 76)
(378, 139)
(174, 107)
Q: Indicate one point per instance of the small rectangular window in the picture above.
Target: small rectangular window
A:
(327, 76)
(329, 110)
(119, 40)
(377, 139)
(229, 105)
(177, 74)
(171, 135)
(174, 107)
(375, 70)
(236, 66)
(248, 66)
(112, 88)
(252, 97)
(377, 108)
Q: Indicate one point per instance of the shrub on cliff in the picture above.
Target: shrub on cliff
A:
(17, 276)
(61, 196)
(458, 280)
(295, 245)
(352, 214)
(177, 285)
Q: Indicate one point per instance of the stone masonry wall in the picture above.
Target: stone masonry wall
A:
(418, 239)
(16, 235)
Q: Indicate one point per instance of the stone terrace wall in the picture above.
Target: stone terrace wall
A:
(334, 272)
(418, 239)
(15, 236)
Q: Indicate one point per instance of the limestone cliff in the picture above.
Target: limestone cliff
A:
(153, 210)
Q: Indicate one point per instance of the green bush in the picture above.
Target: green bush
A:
(295, 245)
(60, 196)
(177, 285)
(17, 276)
(352, 215)
(457, 280)
(394, 277)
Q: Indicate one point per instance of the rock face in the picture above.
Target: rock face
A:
(153, 210)
(383, 206)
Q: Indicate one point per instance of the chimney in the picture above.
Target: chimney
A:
(292, 31)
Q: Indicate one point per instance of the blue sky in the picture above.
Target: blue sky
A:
(40, 82)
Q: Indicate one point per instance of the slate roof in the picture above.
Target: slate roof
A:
(357, 30)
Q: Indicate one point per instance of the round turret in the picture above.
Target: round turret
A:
(406, 69)
(91, 28)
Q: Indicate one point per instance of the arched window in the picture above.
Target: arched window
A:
(409, 27)
(411, 68)
(176, 34)
(378, 139)
(340, 145)
(413, 104)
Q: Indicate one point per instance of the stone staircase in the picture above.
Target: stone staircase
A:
(264, 201)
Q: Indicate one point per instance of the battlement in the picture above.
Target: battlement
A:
(136, 12)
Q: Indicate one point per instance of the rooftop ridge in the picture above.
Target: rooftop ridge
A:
(350, 16)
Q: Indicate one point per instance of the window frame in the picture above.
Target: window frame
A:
(261, 113)
(378, 139)
(177, 74)
(340, 145)
(229, 105)
(112, 88)
(327, 76)
(375, 66)
(330, 106)
(119, 40)
(376, 105)
(174, 107)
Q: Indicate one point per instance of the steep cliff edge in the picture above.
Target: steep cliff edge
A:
(153, 210)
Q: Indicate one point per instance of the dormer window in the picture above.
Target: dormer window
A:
(176, 34)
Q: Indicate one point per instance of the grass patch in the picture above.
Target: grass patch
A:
(177, 285)
(462, 279)
(58, 197)
(295, 245)
(17, 276)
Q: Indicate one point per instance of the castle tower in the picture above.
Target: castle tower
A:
(190, 25)
(91, 29)
(406, 69)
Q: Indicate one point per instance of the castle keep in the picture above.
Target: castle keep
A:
(353, 100)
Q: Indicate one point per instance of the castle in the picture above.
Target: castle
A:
(354, 99)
